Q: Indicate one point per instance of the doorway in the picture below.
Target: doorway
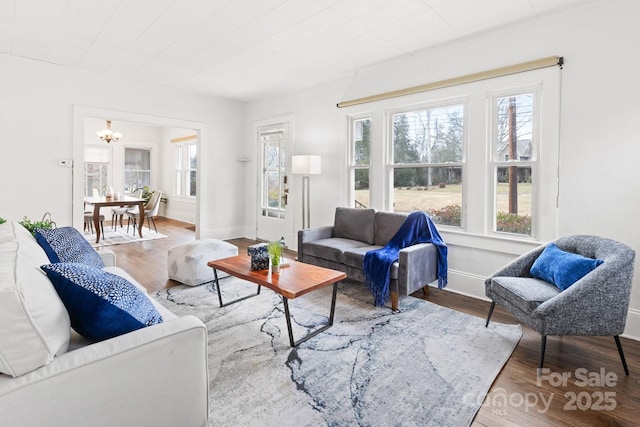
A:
(81, 134)
(274, 142)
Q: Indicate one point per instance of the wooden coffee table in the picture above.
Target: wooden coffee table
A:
(291, 282)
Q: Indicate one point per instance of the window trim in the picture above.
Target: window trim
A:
(494, 162)
(351, 166)
(180, 169)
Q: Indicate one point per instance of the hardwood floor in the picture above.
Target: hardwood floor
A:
(595, 390)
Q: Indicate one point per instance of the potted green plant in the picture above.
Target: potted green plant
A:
(46, 222)
(2, 220)
(275, 254)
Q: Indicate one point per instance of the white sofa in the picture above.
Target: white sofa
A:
(154, 376)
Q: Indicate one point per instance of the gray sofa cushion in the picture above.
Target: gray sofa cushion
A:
(526, 293)
(355, 257)
(331, 249)
(386, 226)
(355, 224)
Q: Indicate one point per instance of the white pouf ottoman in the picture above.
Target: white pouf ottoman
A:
(187, 263)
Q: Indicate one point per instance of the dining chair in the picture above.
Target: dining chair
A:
(88, 222)
(151, 210)
(121, 211)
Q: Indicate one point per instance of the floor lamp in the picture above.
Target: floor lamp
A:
(305, 165)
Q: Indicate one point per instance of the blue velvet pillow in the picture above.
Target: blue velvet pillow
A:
(562, 268)
(101, 305)
(66, 244)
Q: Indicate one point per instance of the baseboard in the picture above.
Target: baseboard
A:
(222, 233)
(472, 285)
(632, 330)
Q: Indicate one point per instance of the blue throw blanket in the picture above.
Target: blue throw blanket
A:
(416, 228)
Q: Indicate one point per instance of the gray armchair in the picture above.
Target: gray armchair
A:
(595, 305)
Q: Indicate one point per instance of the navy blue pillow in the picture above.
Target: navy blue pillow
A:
(562, 268)
(66, 244)
(101, 305)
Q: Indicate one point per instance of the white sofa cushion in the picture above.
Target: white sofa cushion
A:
(39, 323)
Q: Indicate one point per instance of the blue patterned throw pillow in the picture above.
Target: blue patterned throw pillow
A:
(66, 244)
(101, 305)
(562, 268)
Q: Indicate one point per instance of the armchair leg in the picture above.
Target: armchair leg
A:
(425, 290)
(493, 305)
(624, 362)
(543, 345)
(394, 300)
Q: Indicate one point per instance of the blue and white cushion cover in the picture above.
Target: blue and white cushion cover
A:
(66, 244)
(101, 305)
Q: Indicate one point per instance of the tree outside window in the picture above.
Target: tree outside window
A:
(515, 161)
(427, 162)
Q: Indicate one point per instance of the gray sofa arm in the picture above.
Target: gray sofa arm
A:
(311, 234)
(417, 267)
(597, 304)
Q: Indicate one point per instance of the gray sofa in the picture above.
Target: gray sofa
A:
(355, 231)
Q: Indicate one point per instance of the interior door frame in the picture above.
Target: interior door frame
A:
(82, 112)
(288, 220)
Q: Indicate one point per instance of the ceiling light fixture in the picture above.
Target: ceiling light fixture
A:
(109, 135)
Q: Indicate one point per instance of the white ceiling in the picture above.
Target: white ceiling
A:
(245, 49)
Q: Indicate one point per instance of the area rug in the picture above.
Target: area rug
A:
(120, 236)
(425, 365)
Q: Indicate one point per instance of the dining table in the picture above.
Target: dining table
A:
(99, 202)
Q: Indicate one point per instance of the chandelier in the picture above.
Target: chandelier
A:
(109, 135)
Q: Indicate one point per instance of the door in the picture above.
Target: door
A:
(273, 217)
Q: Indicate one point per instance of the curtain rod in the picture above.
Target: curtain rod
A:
(184, 138)
(483, 75)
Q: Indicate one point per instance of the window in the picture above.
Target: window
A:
(480, 158)
(186, 169)
(96, 170)
(359, 160)
(137, 168)
(427, 162)
(273, 198)
(514, 164)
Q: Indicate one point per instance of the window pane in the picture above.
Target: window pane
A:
(273, 189)
(95, 179)
(442, 200)
(137, 168)
(193, 156)
(513, 197)
(361, 187)
(135, 158)
(361, 141)
(514, 128)
(432, 135)
(192, 183)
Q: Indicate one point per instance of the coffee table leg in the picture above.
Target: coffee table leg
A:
(293, 343)
(217, 286)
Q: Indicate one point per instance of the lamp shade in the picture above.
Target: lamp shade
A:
(306, 165)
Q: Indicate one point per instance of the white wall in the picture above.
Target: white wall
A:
(599, 128)
(37, 101)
